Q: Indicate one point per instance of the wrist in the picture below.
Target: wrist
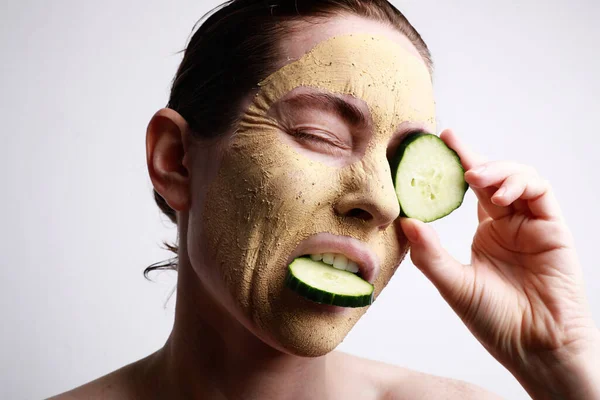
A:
(568, 373)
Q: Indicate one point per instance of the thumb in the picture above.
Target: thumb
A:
(452, 279)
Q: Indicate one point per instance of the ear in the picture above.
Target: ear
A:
(166, 156)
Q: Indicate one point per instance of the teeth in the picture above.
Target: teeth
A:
(352, 267)
(328, 258)
(338, 261)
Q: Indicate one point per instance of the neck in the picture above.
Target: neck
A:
(210, 354)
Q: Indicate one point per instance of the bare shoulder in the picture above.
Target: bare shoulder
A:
(122, 384)
(112, 386)
(419, 385)
(395, 382)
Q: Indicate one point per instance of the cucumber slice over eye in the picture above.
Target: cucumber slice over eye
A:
(325, 284)
(428, 177)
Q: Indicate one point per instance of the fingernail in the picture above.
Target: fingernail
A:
(479, 170)
(500, 192)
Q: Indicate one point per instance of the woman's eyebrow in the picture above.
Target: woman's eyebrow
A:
(327, 102)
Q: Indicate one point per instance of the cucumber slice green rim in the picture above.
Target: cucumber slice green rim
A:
(324, 284)
(428, 177)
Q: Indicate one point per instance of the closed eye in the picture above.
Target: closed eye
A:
(319, 138)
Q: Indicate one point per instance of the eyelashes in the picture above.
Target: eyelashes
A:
(304, 135)
(320, 140)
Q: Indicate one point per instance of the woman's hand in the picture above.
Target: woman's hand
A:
(522, 296)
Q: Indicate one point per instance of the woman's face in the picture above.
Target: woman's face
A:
(307, 172)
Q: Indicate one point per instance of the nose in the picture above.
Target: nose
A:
(369, 193)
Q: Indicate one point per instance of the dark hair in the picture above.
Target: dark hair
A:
(235, 48)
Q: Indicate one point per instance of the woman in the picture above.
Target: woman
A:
(276, 144)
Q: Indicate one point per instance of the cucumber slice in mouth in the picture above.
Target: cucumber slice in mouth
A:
(324, 284)
(428, 177)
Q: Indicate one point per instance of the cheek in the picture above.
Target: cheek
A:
(392, 249)
(261, 204)
(205, 168)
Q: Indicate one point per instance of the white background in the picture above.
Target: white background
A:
(79, 82)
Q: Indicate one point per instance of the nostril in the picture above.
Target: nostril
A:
(360, 214)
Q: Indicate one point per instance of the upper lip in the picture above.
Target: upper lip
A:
(353, 249)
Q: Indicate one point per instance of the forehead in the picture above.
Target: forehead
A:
(362, 59)
(305, 35)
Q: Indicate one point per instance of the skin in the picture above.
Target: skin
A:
(227, 341)
(275, 189)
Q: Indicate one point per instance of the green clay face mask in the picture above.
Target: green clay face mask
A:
(268, 196)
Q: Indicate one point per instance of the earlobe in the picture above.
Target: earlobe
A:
(166, 149)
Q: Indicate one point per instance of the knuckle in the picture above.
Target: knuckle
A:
(517, 179)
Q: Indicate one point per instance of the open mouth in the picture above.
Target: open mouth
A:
(327, 281)
(334, 270)
(342, 253)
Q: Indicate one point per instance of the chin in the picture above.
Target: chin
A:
(306, 329)
(307, 341)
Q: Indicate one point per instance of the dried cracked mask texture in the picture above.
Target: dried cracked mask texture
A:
(267, 197)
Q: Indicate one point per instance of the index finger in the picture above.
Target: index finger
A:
(468, 158)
